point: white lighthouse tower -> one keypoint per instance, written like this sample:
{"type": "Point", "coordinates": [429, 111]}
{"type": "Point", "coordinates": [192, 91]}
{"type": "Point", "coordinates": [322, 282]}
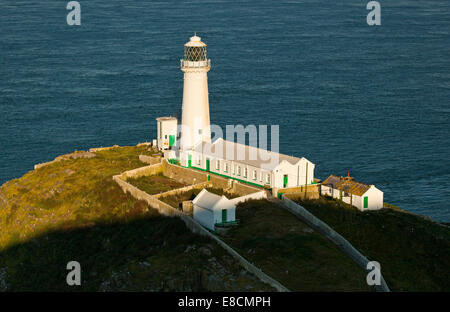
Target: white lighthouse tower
{"type": "Point", "coordinates": [195, 125]}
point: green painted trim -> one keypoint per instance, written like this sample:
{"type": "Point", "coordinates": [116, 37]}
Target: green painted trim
{"type": "Point", "coordinates": [193, 167]}
{"type": "Point", "coordinates": [225, 176]}
{"type": "Point", "coordinates": [240, 180]}
{"type": "Point", "coordinates": [228, 222]}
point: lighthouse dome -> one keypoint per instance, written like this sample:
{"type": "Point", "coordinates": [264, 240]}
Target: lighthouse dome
{"type": "Point", "coordinates": [195, 41]}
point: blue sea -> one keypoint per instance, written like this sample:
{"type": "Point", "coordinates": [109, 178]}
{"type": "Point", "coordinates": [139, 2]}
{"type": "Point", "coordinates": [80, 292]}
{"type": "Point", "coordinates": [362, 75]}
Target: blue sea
{"type": "Point", "coordinates": [372, 100]}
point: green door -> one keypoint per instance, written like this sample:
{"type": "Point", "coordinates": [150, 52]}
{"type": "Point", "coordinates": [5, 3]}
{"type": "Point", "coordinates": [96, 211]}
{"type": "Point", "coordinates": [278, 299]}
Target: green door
{"type": "Point", "coordinates": [207, 164]}
{"type": "Point", "coordinates": [366, 202]}
{"type": "Point", "coordinates": [224, 215]}
{"type": "Point", "coordinates": [189, 161]}
{"type": "Point", "coordinates": [285, 180]}
{"type": "Point", "coordinates": [171, 140]}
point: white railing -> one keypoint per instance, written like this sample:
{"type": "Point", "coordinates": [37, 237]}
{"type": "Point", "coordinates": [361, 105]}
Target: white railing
{"type": "Point", "coordinates": [196, 64]}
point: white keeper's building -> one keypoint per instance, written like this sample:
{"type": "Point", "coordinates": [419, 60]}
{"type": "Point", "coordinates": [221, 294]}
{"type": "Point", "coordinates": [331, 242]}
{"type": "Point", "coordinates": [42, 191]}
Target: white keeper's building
{"type": "Point", "coordinates": [250, 164]}
{"type": "Point", "coordinates": [362, 196]}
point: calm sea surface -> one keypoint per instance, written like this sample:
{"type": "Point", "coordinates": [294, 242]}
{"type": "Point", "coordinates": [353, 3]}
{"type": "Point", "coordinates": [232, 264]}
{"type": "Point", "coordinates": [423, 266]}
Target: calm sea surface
{"type": "Point", "coordinates": [372, 100]}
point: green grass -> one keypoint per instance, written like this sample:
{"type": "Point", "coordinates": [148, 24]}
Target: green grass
{"type": "Point", "coordinates": [287, 250]}
{"type": "Point", "coordinates": [66, 193]}
{"type": "Point", "coordinates": [155, 184]}
{"type": "Point", "coordinates": [73, 210]}
{"type": "Point", "coordinates": [414, 252]}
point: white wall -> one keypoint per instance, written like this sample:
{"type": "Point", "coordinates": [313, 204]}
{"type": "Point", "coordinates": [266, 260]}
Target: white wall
{"type": "Point", "coordinates": [355, 201]}
{"type": "Point", "coordinates": [166, 128]}
{"type": "Point", "coordinates": [231, 215]}
{"type": "Point", "coordinates": [375, 197]}
{"type": "Point", "coordinates": [296, 173]}
{"type": "Point", "coordinates": [204, 216]}
{"type": "Point", "coordinates": [195, 108]}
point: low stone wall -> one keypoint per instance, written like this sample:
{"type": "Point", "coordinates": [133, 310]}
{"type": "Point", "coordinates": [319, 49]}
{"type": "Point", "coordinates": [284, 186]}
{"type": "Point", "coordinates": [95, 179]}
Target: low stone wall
{"type": "Point", "coordinates": [97, 149]}
{"type": "Point", "coordinates": [184, 189]}
{"type": "Point", "coordinates": [74, 155]}
{"type": "Point", "coordinates": [149, 159]}
{"type": "Point", "coordinates": [312, 191]}
{"type": "Point", "coordinates": [195, 227]}
{"type": "Point", "coordinates": [143, 171]}
{"type": "Point", "coordinates": [244, 189]}
{"type": "Point", "coordinates": [162, 207]}
{"type": "Point", "coordinates": [332, 235]}
{"type": "Point", "coordinates": [191, 224]}
{"type": "Point", "coordinates": [218, 181]}
{"type": "Point", "coordinates": [183, 175]}
{"type": "Point", "coordinates": [256, 196]}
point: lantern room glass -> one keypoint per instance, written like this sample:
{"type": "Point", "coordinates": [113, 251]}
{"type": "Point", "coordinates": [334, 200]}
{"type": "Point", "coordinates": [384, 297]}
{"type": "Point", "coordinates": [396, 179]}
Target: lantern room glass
{"type": "Point", "coordinates": [195, 54]}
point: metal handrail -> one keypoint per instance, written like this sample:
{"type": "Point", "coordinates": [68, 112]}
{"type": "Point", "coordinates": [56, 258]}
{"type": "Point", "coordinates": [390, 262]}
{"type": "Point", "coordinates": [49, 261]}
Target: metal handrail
{"type": "Point", "coordinates": [195, 64]}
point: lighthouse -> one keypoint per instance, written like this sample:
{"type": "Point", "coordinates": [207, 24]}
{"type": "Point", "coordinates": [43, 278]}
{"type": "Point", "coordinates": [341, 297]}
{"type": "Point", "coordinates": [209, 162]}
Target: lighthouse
{"type": "Point", "coordinates": [195, 124]}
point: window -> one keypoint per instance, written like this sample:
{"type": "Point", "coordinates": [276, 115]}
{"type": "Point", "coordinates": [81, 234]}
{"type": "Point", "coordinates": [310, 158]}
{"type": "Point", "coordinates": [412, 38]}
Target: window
{"type": "Point", "coordinates": [366, 202]}
{"type": "Point", "coordinates": [238, 170]}
{"type": "Point", "coordinates": [245, 172]}
{"type": "Point", "coordinates": [254, 174]}
{"type": "Point", "coordinates": [199, 158]}
{"type": "Point", "coordinates": [226, 167]}
{"type": "Point", "coordinates": [268, 178]}
{"type": "Point", "coordinates": [218, 165]}
{"type": "Point", "coordinates": [165, 137]}
{"type": "Point", "coordinates": [260, 176]}
{"type": "Point", "coordinates": [200, 131]}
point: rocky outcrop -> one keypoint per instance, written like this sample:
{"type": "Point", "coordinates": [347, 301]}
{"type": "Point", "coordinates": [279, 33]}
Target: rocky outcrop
{"type": "Point", "coordinates": [75, 155]}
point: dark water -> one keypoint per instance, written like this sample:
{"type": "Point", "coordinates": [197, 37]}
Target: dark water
{"type": "Point", "coordinates": [372, 100]}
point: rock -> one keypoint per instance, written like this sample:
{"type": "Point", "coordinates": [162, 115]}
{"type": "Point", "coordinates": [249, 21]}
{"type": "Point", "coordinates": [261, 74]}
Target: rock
{"type": "Point", "coordinates": [204, 250]}
{"type": "Point", "coordinates": [3, 279]}
{"type": "Point", "coordinates": [189, 248]}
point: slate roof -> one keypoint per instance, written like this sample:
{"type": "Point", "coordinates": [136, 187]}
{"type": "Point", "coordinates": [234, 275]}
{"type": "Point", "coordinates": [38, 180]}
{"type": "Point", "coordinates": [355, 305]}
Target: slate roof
{"type": "Point", "coordinates": [212, 201]}
{"type": "Point", "coordinates": [244, 154]}
{"type": "Point", "coordinates": [346, 184]}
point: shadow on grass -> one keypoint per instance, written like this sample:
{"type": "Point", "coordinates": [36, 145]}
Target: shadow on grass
{"type": "Point", "coordinates": [159, 242]}
{"type": "Point", "coordinates": [414, 252]}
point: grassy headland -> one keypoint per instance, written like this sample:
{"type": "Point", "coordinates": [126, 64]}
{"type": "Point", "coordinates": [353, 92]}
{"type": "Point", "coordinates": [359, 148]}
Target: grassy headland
{"type": "Point", "coordinates": [73, 210]}
{"type": "Point", "coordinates": [413, 251]}
{"type": "Point", "coordinates": [291, 252]}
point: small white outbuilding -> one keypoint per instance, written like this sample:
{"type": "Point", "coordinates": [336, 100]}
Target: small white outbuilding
{"type": "Point", "coordinates": [361, 195]}
{"type": "Point", "coordinates": [211, 209]}
{"type": "Point", "coordinates": [167, 132]}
